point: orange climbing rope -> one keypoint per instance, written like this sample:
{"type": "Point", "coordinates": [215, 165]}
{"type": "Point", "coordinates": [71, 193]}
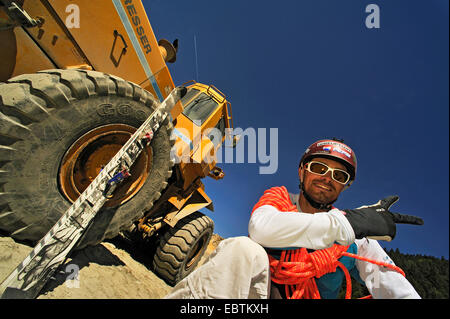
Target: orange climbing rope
{"type": "Point", "coordinates": [297, 269]}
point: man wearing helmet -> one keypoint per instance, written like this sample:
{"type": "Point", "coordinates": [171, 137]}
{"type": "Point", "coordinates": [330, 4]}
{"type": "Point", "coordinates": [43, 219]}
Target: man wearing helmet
{"type": "Point", "coordinates": [285, 228]}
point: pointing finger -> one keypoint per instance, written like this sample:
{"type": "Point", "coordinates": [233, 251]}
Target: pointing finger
{"type": "Point", "coordinates": [407, 219]}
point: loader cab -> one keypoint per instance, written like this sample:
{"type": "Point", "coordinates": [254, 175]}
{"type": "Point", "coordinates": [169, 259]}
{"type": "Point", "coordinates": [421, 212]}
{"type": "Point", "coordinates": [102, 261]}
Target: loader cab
{"type": "Point", "coordinates": [201, 127]}
{"type": "Point", "coordinates": [207, 107]}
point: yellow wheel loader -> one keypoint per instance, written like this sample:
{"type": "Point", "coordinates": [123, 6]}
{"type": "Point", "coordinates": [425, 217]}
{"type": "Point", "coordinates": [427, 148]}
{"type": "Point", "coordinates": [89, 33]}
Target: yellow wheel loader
{"type": "Point", "coordinates": [77, 78]}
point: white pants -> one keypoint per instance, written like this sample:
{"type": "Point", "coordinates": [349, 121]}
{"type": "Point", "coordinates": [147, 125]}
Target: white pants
{"type": "Point", "coordinates": [237, 269]}
{"type": "Point", "coordinates": [382, 282]}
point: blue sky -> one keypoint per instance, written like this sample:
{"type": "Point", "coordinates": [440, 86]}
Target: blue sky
{"type": "Point", "coordinates": [312, 69]}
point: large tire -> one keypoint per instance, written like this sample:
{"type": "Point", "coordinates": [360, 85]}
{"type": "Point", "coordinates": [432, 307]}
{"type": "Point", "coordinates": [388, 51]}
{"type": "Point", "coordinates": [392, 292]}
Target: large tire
{"type": "Point", "coordinates": [41, 116]}
{"type": "Point", "coordinates": [182, 247]}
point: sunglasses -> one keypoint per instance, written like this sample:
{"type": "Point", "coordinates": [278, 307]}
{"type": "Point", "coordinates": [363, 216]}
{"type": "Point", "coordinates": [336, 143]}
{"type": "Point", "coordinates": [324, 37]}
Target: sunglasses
{"type": "Point", "coordinates": [319, 168]}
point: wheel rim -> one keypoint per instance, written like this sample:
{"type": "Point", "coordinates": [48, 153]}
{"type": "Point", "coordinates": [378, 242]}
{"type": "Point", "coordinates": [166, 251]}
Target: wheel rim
{"type": "Point", "coordinates": [85, 158]}
{"type": "Point", "coordinates": [195, 252]}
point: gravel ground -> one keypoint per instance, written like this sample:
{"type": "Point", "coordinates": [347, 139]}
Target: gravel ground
{"type": "Point", "coordinates": [110, 270]}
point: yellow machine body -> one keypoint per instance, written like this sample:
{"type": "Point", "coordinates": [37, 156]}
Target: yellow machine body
{"type": "Point", "coordinates": [115, 37]}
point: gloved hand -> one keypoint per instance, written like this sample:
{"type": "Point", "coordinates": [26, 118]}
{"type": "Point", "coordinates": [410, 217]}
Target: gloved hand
{"type": "Point", "coordinates": [376, 221]}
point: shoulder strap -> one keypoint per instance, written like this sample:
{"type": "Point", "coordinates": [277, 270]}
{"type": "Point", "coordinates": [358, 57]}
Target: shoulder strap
{"type": "Point", "coordinates": [294, 200]}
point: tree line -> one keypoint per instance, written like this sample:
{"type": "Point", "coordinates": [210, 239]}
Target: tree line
{"type": "Point", "coordinates": [427, 274]}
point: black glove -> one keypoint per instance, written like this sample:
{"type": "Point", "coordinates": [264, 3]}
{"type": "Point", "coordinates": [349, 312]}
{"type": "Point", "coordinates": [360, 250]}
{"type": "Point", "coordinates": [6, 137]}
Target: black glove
{"type": "Point", "coordinates": [376, 221]}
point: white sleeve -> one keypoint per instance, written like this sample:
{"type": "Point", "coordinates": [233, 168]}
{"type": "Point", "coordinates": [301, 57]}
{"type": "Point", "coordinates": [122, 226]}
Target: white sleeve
{"type": "Point", "coordinates": [274, 229]}
{"type": "Point", "coordinates": [382, 282]}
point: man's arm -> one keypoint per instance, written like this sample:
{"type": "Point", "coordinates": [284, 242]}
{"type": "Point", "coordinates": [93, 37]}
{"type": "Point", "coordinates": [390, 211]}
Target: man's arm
{"type": "Point", "coordinates": [382, 282]}
{"type": "Point", "coordinates": [272, 228]}
{"type": "Point", "coordinates": [275, 223]}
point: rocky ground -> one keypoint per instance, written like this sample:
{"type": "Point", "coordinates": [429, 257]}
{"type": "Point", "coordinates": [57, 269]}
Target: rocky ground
{"type": "Point", "coordinates": [111, 270]}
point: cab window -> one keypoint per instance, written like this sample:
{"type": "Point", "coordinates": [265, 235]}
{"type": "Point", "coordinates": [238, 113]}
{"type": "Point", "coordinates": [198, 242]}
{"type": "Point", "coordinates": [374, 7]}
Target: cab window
{"type": "Point", "coordinates": [200, 108]}
{"type": "Point", "coordinates": [188, 96]}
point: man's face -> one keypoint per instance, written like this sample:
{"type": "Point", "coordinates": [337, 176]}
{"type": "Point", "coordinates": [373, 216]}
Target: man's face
{"type": "Point", "coordinates": [322, 188]}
